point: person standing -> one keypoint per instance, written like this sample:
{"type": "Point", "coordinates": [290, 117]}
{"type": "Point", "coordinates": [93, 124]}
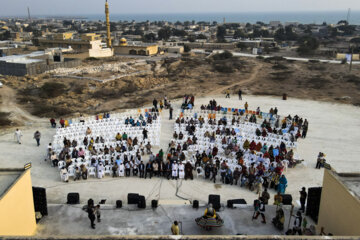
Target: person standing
{"type": "Point", "coordinates": [37, 136]}
{"type": "Point", "coordinates": [246, 106]}
{"type": "Point", "coordinates": [170, 112]}
{"type": "Point", "coordinates": [141, 169]}
{"type": "Point", "coordinates": [155, 102]}
{"type": "Point", "coordinates": [227, 93]}
{"type": "Point", "coordinates": [240, 94]}
{"type": "Point", "coordinates": [303, 196]}
{"type": "Point", "coordinates": [175, 228]}
{"type": "Point", "coordinates": [259, 206]}
{"type": "Point", "coordinates": [91, 212]}
{"type": "Point", "coordinates": [297, 224]}
{"type": "Point", "coordinates": [62, 122]}
{"type": "Point", "coordinates": [18, 136]}
{"type": "Point", "coordinates": [53, 123]}
{"type": "Point", "coordinates": [145, 133]}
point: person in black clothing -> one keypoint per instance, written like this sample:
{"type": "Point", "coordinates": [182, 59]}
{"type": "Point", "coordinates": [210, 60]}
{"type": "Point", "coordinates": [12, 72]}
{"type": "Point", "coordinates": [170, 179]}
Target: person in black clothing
{"type": "Point", "coordinates": [145, 133]}
{"type": "Point", "coordinates": [207, 171]}
{"type": "Point", "coordinates": [141, 169]}
{"type": "Point", "coordinates": [91, 212]}
{"type": "Point", "coordinates": [167, 170]}
{"type": "Point", "coordinates": [240, 94]}
{"type": "Point", "coordinates": [214, 173]}
{"type": "Point", "coordinates": [148, 169]}
{"type": "Point", "coordinates": [303, 196]}
{"type": "Point", "coordinates": [171, 112]}
{"type": "Point", "coordinates": [155, 103]}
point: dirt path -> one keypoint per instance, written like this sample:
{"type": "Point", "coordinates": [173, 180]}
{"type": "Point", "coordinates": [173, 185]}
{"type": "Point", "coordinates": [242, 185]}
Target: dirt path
{"type": "Point", "coordinates": [240, 83]}
{"type": "Point", "coordinates": [8, 104]}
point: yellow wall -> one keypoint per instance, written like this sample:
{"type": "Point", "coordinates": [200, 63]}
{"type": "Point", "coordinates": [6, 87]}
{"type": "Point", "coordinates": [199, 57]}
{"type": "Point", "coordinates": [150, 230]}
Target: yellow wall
{"type": "Point", "coordinates": [63, 36]}
{"type": "Point", "coordinates": [340, 56]}
{"type": "Point", "coordinates": [339, 210]}
{"type": "Point", "coordinates": [150, 50]}
{"type": "Point", "coordinates": [17, 208]}
{"type": "Point", "coordinates": [90, 37]}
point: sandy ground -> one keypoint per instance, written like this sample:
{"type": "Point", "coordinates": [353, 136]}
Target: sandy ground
{"type": "Point", "coordinates": [66, 220]}
{"type": "Point", "coordinates": [333, 129]}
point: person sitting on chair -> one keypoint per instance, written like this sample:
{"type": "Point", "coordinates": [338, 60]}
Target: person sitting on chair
{"type": "Point", "coordinates": [210, 212]}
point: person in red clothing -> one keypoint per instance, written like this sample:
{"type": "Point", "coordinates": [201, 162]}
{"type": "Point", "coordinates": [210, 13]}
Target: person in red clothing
{"type": "Point", "coordinates": [53, 122]}
{"type": "Point", "coordinates": [62, 122]}
{"type": "Point", "coordinates": [252, 145]}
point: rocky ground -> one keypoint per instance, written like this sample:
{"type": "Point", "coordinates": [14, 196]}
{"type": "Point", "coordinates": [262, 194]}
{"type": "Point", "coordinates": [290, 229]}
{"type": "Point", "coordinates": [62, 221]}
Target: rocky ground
{"type": "Point", "coordinates": [49, 96]}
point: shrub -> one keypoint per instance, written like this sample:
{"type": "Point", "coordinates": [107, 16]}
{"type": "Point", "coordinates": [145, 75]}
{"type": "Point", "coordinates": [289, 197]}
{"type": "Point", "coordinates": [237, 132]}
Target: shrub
{"type": "Point", "coordinates": [4, 119]}
{"type": "Point", "coordinates": [222, 56]}
{"type": "Point", "coordinates": [52, 89]}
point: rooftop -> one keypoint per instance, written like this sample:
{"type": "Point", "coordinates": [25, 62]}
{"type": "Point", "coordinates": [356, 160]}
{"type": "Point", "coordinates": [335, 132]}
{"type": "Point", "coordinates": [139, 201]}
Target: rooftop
{"type": "Point", "coordinates": [352, 182]}
{"type": "Point", "coordinates": [24, 58]}
{"type": "Point", "coordinates": [71, 220]}
{"type": "Point", "coordinates": [7, 178]}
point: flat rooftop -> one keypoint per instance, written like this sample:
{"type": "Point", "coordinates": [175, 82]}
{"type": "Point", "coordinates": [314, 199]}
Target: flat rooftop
{"type": "Point", "coordinates": [24, 58]}
{"type": "Point", "coordinates": [352, 182]}
{"type": "Point", "coordinates": [71, 220]}
{"type": "Point", "coordinates": [7, 178]}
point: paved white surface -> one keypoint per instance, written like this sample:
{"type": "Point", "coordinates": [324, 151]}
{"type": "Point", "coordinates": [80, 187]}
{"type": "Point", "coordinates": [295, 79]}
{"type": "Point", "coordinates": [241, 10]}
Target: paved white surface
{"type": "Point", "coordinates": [333, 129]}
{"type": "Point", "coordinates": [66, 220]}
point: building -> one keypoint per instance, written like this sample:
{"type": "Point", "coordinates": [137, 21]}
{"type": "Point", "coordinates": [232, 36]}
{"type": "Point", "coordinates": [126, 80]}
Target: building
{"type": "Point", "coordinates": [136, 48]}
{"type": "Point", "coordinates": [36, 62]}
{"type": "Point", "coordinates": [89, 43]}
{"type": "Point", "coordinates": [16, 203]}
{"type": "Point", "coordinates": [339, 211]}
{"type": "Point", "coordinates": [66, 40]}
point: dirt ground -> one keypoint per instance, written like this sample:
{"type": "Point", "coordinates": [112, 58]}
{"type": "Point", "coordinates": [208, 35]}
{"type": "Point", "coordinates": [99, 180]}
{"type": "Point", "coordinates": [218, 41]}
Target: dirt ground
{"type": "Point", "coordinates": [198, 75]}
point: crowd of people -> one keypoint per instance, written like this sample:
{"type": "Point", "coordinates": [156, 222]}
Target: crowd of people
{"type": "Point", "coordinates": [222, 149]}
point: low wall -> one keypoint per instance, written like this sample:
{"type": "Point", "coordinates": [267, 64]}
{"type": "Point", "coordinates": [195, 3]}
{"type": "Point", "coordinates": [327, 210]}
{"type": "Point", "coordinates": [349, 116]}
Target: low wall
{"type": "Point", "coordinates": [20, 69]}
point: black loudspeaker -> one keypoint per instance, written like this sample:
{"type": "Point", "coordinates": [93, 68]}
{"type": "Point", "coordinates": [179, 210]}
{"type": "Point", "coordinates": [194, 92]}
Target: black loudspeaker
{"type": "Point", "coordinates": [40, 202]}
{"type": "Point", "coordinates": [133, 198]}
{"type": "Point", "coordinates": [73, 198]}
{"type": "Point", "coordinates": [142, 202]}
{"type": "Point", "coordinates": [195, 204]}
{"type": "Point", "coordinates": [215, 201]}
{"type": "Point", "coordinates": [286, 199]}
{"type": "Point", "coordinates": [154, 203]}
{"type": "Point", "coordinates": [118, 204]}
{"type": "Point", "coordinates": [313, 203]}
{"type": "Point", "coordinates": [231, 202]}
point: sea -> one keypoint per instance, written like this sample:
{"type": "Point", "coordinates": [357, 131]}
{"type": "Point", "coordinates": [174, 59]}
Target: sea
{"type": "Point", "coordinates": [241, 17]}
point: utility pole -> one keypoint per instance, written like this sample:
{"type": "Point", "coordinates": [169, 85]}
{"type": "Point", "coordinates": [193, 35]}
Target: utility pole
{"type": "Point", "coordinates": [29, 16]}
{"type": "Point", "coordinates": [348, 15]}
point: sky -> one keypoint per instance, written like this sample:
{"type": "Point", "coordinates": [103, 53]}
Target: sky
{"type": "Point", "coordinates": [69, 7]}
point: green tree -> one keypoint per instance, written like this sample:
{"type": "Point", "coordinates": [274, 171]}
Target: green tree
{"type": "Point", "coordinates": [150, 37]}
{"type": "Point", "coordinates": [220, 34]}
{"type": "Point", "coordinates": [164, 33]}
{"type": "Point", "coordinates": [239, 34]}
{"type": "Point", "coordinates": [307, 45]}
{"type": "Point", "coordinates": [187, 48]}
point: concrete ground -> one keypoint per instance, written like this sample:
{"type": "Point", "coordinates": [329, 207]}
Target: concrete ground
{"type": "Point", "coordinates": [333, 129]}
{"type": "Point", "coordinates": [71, 220]}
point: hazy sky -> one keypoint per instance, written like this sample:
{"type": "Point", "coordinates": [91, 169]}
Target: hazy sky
{"type": "Point", "coordinates": [68, 7]}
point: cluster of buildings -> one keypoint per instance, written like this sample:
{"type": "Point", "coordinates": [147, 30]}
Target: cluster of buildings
{"type": "Point", "coordinates": [97, 39]}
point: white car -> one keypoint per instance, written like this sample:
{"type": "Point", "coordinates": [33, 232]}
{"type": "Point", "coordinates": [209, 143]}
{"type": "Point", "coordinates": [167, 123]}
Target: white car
{"type": "Point", "coordinates": [1, 84]}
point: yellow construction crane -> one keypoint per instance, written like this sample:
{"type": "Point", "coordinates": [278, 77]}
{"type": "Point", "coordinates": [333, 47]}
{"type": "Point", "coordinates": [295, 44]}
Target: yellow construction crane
{"type": "Point", "coordinates": [108, 34]}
